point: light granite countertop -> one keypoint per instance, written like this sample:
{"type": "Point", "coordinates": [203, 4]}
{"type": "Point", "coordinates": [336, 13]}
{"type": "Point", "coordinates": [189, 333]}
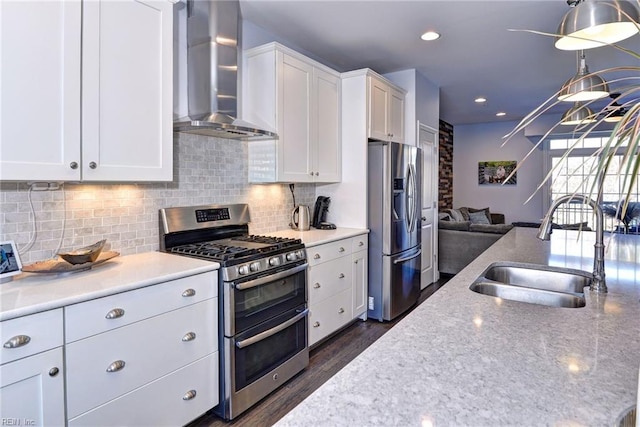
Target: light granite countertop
{"type": "Point", "coordinates": [466, 359]}
{"type": "Point", "coordinates": [30, 293]}
{"type": "Point", "coordinates": [313, 237]}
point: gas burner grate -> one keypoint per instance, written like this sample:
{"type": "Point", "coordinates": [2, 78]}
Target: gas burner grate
{"type": "Point", "coordinates": [214, 251]}
{"type": "Point", "coordinates": [281, 242]}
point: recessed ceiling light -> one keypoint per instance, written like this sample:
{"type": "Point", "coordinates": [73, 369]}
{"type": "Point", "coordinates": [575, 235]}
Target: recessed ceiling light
{"type": "Point", "coordinates": [430, 35]}
{"type": "Point", "coordinates": [480, 100]}
{"type": "Point", "coordinates": [501, 113]}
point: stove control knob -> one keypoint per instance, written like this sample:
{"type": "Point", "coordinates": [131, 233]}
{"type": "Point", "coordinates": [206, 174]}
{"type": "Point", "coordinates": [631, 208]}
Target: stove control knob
{"type": "Point", "coordinates": [291, 256]}
{"type": "Point", "coordinates": [243, 269]}
{"type": "Point", "coordinates": [254, 266]}
{"type": "Point", "coordinates": [274, 262]}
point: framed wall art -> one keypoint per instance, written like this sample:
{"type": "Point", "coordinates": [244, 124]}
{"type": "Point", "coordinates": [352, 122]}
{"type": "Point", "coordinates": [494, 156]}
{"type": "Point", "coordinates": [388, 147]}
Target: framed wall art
{"type": "Point", "coordinates": [496, 172]}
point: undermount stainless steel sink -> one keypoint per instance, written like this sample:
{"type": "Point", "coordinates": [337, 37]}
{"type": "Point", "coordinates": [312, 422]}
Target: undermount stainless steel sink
{"type": "Point", "coordinates": [534, 284]}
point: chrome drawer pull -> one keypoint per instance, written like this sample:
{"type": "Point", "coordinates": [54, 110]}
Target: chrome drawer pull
{"type": "Point", "coordinates": [116, 366]}
{"type": "Point", "coordinates": [189, 337]}
{"type": "Point", "coordinates": [341, 249]}
{"type": "Point", "coordinates": [189, 395]}
{"type": "Point", "coordinates": [115, 313]}
{"type": "Point", "coordinates": [316, 324]}
{"type": "Point", "coordinates": [316, 256]}
{"type": "Point", "coordinates": [360, 243]}
{"type": "Point", "coordinates": [17, 341]}
{"type": "Point", "coordinates": [341, 310]}
{"type": "Point", "coordinates": [53, 371]}
{"type": "Point", "coordinates": [189, 293]}
{"type": "Point", "coordinates": [316, 286]}
{"type": "Point", "coordinates": [341, 276]}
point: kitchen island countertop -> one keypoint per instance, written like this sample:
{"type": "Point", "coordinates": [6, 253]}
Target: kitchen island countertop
{"type": "Point", "coordinates": [314, 237]}
{"type": "Point", "coordinates": [31, 293]}
{"type": "Point", "coordinates": [466, 359]}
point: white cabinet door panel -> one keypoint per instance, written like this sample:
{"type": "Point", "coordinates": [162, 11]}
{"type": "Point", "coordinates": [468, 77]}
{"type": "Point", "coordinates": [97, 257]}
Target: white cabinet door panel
{"type": "Point", "coordinates": [127, 90]}
{"type": "Point", "coordinates": [327, 164]}
{"type": "Point", "coordinates": [39, 90]}
{"type": "Point", "coordinates": [31, 394]}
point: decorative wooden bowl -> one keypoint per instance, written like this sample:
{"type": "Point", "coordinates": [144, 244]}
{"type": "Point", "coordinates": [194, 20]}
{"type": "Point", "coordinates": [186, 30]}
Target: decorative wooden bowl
{"type": "Point", "coordinates": [87, 254]}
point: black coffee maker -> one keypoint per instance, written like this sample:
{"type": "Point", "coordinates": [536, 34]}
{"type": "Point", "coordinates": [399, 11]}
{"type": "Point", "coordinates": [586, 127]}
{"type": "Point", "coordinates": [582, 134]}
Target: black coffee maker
{"type": "Point", "coordinates": [320, 214]}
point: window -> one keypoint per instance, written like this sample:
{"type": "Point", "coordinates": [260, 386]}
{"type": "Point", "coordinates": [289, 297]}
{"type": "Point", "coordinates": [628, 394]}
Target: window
{"type": "Point", "coordinates": [575, 174]}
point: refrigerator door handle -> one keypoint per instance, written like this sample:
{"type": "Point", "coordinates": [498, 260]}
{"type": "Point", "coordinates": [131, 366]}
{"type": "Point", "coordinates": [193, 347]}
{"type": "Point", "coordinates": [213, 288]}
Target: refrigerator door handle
{"type": "Point", "coordinates": [416, 255]}
{"type": "Point", "coordinates": [410, 204]}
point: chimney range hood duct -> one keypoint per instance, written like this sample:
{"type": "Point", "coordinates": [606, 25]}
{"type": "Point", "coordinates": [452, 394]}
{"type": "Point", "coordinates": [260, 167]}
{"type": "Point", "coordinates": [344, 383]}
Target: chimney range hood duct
{"type": "Point", "coordinates": [214, 35]}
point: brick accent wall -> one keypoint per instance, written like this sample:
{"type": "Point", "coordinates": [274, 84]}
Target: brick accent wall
{"type": "Point", "coordinates": [445, 173]}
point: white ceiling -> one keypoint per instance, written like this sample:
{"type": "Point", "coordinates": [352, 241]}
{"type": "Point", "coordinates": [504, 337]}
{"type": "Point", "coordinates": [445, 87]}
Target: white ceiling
{"type": "Point", "coordinates": [477, 55]}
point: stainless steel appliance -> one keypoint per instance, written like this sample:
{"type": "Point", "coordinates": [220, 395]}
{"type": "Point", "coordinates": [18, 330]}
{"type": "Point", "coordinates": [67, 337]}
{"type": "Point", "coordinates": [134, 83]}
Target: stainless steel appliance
{"type": "Point", "coordinates": [300, 218]}
{"type": "Point", "coordinates": [262, 298]}
{"type": "Point", "coordinates": [394, 177]}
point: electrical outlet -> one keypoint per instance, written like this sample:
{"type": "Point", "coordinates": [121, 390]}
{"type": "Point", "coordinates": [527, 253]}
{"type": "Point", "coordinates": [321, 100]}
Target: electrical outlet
{"type": "Point", "coordinates": [370, 303]}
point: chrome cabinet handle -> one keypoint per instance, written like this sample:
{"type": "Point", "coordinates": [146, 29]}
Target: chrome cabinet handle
{"type": "Point", "coordinates": [115, 313]}
{"type": "Point", "coordinates": [189, 395]}
{"type": "Point", "coordinates": [316, 286]}
{"type": "Point", "coordinates": [73, 165]}
{"type": "Point", "coordinates": [17, 341]}
{"type": "Point", "coordinates": [316, 324]}
{"type": "Point", "coordinates": [93, 165]}
{"type": "Point", "coordinates": [341, 276]}
{"type": "Point", "coordinates": [190, 336]}
{"type": "Point", "coordinates": [53, 371]}
{"type": "Point", "coordinates": [116, 366]}
{"type": "Point", "coordinates": [317, 173]}
{"type": "Point", "coordinates": [316, 256]}
{"type": "Point", "coordinates": [341, 249]}
{"type": "Point", "coordinates": [341, 310]}
{"type": "Point", "coordinates": [361, 243]}
{"type": "Point", "coordinates": [189, 293]}
{"type": "Point", "coordinates": [311, 173]}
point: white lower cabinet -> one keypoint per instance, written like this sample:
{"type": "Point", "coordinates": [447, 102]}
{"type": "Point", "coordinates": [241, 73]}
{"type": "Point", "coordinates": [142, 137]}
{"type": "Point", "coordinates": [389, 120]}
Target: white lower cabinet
{"type": "Point", "coordinates": [171, 400]}
{"type": "Point", "coordinates": [336, 294]}
{"type": "Point", "coordinates": [148, 356]}
{"type": "Point", "coordinates": [32, 390]}
{"type": "Point", "coordinates": [32, 370]}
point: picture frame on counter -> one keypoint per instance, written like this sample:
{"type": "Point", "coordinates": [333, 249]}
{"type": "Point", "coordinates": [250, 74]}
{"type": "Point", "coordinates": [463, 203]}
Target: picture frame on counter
{"type": "Point", "coordinates": [10, 263]}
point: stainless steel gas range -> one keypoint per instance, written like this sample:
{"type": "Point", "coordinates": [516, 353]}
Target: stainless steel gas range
{"type": "Point", "coordinates": [262, 298]}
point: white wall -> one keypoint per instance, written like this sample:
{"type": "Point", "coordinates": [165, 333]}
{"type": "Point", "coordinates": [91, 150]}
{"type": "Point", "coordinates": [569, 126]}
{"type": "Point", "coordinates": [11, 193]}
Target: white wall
{"type": "Point", "coordinates": [482, 142]}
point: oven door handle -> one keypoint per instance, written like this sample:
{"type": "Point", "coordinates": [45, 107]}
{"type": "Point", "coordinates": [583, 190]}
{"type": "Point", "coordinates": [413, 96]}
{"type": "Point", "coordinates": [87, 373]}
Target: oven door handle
{"type": "Point", "coordinates": [266, 334]}
{"type": "Point", "coordinates": [270, 278]}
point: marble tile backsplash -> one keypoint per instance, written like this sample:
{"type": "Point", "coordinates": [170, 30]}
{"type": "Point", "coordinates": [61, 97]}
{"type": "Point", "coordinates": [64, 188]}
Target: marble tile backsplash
{"type": "Point", "coordinates": [206, 171]}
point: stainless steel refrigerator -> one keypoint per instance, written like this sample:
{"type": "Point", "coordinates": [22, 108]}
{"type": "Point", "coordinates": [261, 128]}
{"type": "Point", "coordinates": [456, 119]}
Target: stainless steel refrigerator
{"type": "Point", "coordinates": [394, 191]}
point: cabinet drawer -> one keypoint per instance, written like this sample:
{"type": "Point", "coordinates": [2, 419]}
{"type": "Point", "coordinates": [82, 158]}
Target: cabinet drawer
{"type": "Point", "coordinates": [359, 243]}
{"type": "Point", "coordinates": [329, 315]}
{"type": "Point", "coordinates": [329, 278]}
{"type": "Point", "coordinates": [31, 334]}
{"type": "Point", "coordinates": [93, 317]}
{"type": "Point", "coordinates": [328, 251]}
{"type": "Point", "coordinates": [149, 349]}
{"type": "Point", "coordinates": [162, 402]}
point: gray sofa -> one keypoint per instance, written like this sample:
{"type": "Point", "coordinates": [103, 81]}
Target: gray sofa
{"type": "Point", "coordinates": [460, 240]}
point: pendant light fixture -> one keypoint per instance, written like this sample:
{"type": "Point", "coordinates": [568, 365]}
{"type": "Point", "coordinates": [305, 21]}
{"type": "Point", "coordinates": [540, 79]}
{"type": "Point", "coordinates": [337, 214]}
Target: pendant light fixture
{"type": "Point", "coordinates": [579, 114]}
{"type": "Point", "coordinates": [595, 23]}
{"type": "Point", "coordinates": [583, 86]}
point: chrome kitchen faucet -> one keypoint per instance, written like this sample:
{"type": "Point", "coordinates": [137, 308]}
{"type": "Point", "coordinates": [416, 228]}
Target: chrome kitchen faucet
{"type": "Point", "coordinates": [598, 280]}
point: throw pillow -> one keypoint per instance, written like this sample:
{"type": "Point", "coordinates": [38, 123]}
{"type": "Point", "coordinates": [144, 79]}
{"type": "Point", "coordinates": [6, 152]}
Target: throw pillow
{"type": "Point", "coordinates": [478, 218]}
{"type": "Point", "coordinates": [444, 216]}
{"type": "Point", "coordinates": [455, 214]}
{"type": "Point", "coordinates": [466, 210]}
{"type": "Point", "coordinates": [454, 225]}
{"type": "Point", "coordinates": [491, 228]}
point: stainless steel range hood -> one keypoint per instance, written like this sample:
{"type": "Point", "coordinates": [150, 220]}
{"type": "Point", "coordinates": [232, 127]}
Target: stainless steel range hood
{"type": "Point", "coordinates": [214, 34]}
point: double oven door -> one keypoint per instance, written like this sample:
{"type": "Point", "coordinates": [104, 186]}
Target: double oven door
{"type": "Point", "coordinates": [265, 336]}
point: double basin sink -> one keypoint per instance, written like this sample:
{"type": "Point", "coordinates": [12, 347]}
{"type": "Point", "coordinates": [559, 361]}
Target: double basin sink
{"type": "Point", "coordinates": [534, 284]}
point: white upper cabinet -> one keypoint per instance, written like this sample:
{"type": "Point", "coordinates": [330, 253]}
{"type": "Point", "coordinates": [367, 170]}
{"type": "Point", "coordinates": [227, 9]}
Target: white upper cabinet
{"type": "Point", "coordinates": [386, 111]}
{"type": "Point", "coordinates": [299, 99]}
{"type": "Point", "coordinates": [86, 90]}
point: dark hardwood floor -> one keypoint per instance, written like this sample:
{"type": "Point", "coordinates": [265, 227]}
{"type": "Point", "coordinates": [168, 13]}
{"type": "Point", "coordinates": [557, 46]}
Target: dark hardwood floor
{"type": "Point", "coordinates": [325, 360]}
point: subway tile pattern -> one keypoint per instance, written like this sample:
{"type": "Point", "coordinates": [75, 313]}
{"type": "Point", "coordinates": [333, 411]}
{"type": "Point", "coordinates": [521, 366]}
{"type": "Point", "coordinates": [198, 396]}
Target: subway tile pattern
{"type": "Point", "coordinates": [206, 171]}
